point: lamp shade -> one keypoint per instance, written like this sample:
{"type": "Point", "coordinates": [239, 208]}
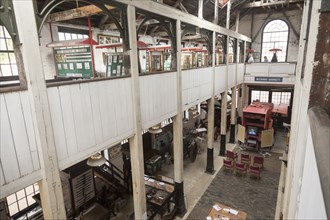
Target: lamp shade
{"type": "Point", "coordinates": [96, 160]}
{"type": "Point", "coordinates": [156, 129]}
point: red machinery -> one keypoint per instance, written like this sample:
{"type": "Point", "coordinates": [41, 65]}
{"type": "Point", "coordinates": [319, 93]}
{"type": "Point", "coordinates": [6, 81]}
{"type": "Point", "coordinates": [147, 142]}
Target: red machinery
{"type": "Point", "coordinates": [258, 123]}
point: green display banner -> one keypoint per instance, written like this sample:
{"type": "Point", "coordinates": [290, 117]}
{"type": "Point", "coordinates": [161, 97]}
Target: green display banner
{"type": "Point", "coordinates": [74, 62]}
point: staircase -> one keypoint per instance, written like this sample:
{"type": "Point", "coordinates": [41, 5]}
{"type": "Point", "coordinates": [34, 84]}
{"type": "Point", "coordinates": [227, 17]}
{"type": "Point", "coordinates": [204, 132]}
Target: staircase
{"type": "Point", "coordinates": [114, 176]}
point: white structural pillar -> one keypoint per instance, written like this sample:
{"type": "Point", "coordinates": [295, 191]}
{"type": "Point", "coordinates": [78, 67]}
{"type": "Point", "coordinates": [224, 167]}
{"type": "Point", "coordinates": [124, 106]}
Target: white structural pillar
{"type": "Point", "coordinates": [50, 185]}
{"type": "Point", "coordinates": [216, 12]}
{"type": "Point", "coordinates": [210, 117]}
{"type": "Point", "coordinates": [136, 146]}
{"type": "Point", "coordinates": [223, 124]}
{"type": "Point", "coordinates": [177, 132]}
{"type": "Point", "coordinates": [233, 115]}
{"type": "Point", "coordinates": [200, 8]}
{"type": "Point", "coordinates": [224, 95]}
{"type": "Point", "coordinates": [233, 99]}
{"type": "Point", "coordinates": [240, 103]}
{"type": "Point", "coordinates": [300, 122]}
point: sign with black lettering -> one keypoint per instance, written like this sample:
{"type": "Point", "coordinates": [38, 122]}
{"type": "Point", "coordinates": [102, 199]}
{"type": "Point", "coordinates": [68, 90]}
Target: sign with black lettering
{"type": "Point", "coordinates": [268, 79]}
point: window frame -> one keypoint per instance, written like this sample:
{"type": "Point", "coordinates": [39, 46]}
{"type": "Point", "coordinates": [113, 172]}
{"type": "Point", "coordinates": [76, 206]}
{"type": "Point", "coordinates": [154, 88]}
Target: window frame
{"type": "Point", "coordinates": [262, 40]}
{"type": "Point", "coordinates": [20, 77]}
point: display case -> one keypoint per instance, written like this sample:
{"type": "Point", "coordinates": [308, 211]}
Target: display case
{"type": "Point", "coordinates": [115, 64]}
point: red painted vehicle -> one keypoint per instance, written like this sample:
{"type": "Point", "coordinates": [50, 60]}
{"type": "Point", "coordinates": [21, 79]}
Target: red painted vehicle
{"type": "Point", "coordinates": [258, 123]}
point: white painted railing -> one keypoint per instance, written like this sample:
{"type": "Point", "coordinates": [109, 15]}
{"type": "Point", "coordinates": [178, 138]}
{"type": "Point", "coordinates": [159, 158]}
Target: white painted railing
{"type": "Point", "coordinates": [18, 147]}
{"type": "Point", "coordinates": [196, 86]}
{"type": "Point", "coordinates": [88, 117]}
{"type": "Point", "coordinates": [158, 98]}
{"type": "Point", "coordinates": [274, 73]}
{"type": "Point", "coordinates": [220, 79]}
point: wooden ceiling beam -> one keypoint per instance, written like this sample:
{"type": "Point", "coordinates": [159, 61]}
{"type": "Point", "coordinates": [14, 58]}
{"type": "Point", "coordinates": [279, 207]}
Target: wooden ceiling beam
{"type": "Point", "coordinates": [80, 12]}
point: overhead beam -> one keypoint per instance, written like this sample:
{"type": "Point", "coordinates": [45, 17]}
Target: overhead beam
{"type": "Point", "coordinates": [80, 12]}
{"type": "Point", "coordinates": [291, 26]}
{"type": "Point", "coordinates": [170, 12]}
{"type": "Point", "coordinates": [200, 8]}
{"type": "Point", "coordinates": [177, 3]}
{"type": "Point", "coordinates": [262, 26]}
{"type": "Point", "coordinates": [257, 4]}
{"type": "Point", "coordinates": [183, 8]}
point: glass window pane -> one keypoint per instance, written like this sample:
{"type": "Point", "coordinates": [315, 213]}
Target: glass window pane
{"type": "Point", "coordinates": [36, 187]}
{"type": "Point", "coordinates": [22, 204]}
{"type": "Point", "coordinates": [9, 44]}
{"type": "Point", "coordinates": [4, 58]}
{"type": "Point", "coordinates": [20, 194]}
{"type": "Point", "coordinates": [29, 190]}
{"type": "Point", "coordinates": [2, 34]}
{"type": "Point", "coordinates": [13, 209]}
{"type": "Point", "coordinates": [3, 45]}
{"type": "Point", "coordinates": [14, 70]}
{"type": "Point", "coordinates": [12, 58]}
{"type": "Point", "coordinates": [11, 199]}
{"type": "Point", "coordinates": [7, 35]}
{"type": "Point", "coordinates": [61, 36]}
{"type": "Point", "coordinates": [30, 200]}
{"type": "Point", "coordinates": [67, 36]}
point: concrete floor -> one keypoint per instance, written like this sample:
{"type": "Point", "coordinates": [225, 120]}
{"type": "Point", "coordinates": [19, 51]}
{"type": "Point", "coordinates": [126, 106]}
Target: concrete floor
{"type": "Point", "coordinates": [202, 189]}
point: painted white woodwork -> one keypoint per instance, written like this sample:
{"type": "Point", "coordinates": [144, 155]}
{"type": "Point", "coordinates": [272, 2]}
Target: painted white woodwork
{"type": "Point", "coordinates": [273, 69]}
{"type": "Point", "coordinates": [135, 142]}
{"type": "Point", "coordinates": [257, 69]}
{"type": "Point", "coordinates": [196, 86]}
{"type": "Point", "coordinates": [220, 79]}
{"type": "Point", "coordinates": [231, 75]}
{"type": "Point", "coordinates": [89, 117]}
{"type": "Point", "coordinates": [158, 98]}
{"type": "Point", "coordinates": [170, 12]}
{"type": "Point", "coordinates": [19, 155]}
{"type": "Point", "coordinates": [20, 183]}
{"type": "Point", "coordinates": [240, 73]}
{"type": "Point", "coordinates": [282, 68]}
{"type": "Point", "coordinates": [311, 203]}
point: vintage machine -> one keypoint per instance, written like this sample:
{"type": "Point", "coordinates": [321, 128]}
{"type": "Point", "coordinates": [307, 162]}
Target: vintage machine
{"type": "Point", "coordinates": [256, 130]}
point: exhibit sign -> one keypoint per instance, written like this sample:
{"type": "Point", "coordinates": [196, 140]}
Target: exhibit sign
{"type": "Point", "coordinates": [74, 62]}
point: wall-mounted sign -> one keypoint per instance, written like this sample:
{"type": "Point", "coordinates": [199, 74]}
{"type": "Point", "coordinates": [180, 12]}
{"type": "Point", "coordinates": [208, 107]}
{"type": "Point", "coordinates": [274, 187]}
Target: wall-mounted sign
{"type": "Point", "coordinates": [268, 79]}
{"type": "Point", "coordinates": [74, 62]}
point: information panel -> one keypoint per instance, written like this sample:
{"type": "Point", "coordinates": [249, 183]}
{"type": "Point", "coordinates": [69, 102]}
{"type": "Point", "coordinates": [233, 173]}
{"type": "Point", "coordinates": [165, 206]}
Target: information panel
{"type": "Point", "coordinates": [74, 62]}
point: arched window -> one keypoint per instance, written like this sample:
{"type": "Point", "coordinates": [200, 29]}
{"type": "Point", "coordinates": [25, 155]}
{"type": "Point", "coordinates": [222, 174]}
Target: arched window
{"type": "Point", "coordinates": [275, 36]}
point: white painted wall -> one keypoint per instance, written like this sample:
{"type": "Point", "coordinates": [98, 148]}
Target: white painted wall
{"type": "Point", "coordinates": [90, 117]}
{"type": "Point", "coordinates": [196, 86]}
{"type": "Point", "coordinates": [46, 53]}
{"type": "Point", "coordinates": [311, 202]}
{"type": "Point", "coordinates": [158, 98]}
{"type": "Point", "coordinates": [220, 84]}
{"type": "Point", "coordinates": [240, 73]}
{"type": "Point", "coordinates": [295, 18]}
{"type": "Point", "coordinates": [231, 75]}
{"type": "Point", "coordinates": [18, 148]}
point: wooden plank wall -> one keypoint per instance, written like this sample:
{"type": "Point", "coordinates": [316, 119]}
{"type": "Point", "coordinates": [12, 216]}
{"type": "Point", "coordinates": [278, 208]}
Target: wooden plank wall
{"type": "Point", "coordinates": [282, 68]}
{"type": "Point", "coordinates": [158, 98]}
{"type": "Point", "coordinates": [196, 86]}
{"type": "Point", "coordinates": [240, 73]}
{"type": "Point", "coordinates": [89, 117]}
{"type": "Point", "coordinates": [231, 75]}
{"type": "Point", "coordinates": [19, 155]}
{"type": "Point", "coordinates": [220, 79]}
